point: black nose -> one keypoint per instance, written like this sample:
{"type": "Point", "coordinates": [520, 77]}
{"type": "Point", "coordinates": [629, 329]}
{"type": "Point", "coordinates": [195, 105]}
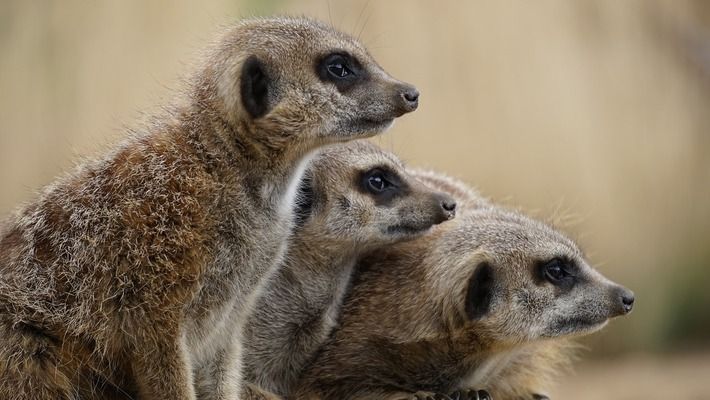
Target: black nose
{"type": "Point", "coordinates": [410, 98]}
{"type": "Point", "coordinates": [411, 95]}
{"type": "Point", "coordinates": [447, 208]}
{"type": "Point", "coordinates": [449, 205]}
{"type": "Point", "coordinates": [627, 300]}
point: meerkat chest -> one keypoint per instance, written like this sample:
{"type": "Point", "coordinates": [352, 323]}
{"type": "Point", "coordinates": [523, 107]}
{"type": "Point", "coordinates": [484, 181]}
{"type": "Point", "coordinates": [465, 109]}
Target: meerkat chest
{"type": "Point", "coordinates": [340, 288]}
{"type": "Point", "coordinates": [242, 255]}
{"type": "Point", "coordinates": [251, 242]}
{"type": "Point", "coordinates": [487, 370]}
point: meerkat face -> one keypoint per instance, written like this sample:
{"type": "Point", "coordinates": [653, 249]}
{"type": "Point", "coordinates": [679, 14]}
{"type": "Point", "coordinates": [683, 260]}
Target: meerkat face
{"type": "Point", "coordinates": [304, 81]}
{"type": "Point", "coordinates": [526, 281]}
{"type": "Point", "coordinates": [356, 192]}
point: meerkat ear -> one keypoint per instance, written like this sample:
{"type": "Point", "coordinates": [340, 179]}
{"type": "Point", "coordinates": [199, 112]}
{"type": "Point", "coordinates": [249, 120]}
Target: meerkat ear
{"type": "Point", "coordinates": [480, 291]}
{"type": "Point", "coordinates": [305, 199]}
{"type": "Point", "coordinates": [254, 87]}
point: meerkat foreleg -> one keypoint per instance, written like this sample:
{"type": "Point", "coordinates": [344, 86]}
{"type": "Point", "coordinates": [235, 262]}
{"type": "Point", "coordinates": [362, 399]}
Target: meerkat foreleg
{"type": "Point", "coordinates": [463, 394]}
{"type": "Point", "coordinates": [221, 378]}
{"type": "Point", "coordinates": [23, 377]}
{"type": "Point", "coordinates": [165, 372]}
{"type": "Point", "coordinates": [251, 391]}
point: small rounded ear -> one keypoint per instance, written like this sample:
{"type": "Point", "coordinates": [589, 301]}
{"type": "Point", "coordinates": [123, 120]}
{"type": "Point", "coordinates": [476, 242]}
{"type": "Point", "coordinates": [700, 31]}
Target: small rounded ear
{"type": "Point", "coordinates": [254, 87]}
{"type": "Point", "coordinates": [480, 291]}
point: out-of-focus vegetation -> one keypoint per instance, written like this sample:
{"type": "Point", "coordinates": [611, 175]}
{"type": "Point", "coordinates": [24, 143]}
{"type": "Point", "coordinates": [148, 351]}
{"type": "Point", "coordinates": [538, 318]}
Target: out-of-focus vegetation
{"type": "Point", "coordinates": [592, 114]}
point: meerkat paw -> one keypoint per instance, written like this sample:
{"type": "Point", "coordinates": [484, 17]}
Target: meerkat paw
{"type": "Point", "coordinates": [423, 395]}
{"type": "Point", "coordinates": [470, 394]}
{"type": "Point", "coordinates": [467, 394]}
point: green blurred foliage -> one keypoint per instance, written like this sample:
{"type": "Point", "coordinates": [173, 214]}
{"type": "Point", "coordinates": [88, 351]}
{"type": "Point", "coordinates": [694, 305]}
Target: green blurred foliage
{"type": "Point", "coordinates": [687, 322]}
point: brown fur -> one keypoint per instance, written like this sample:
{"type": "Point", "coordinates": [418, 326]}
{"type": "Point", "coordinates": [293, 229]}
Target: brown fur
{"type": "Point", "coordinates": [124, 276]}
{"type": "Point", "coordinates": [406, 327]}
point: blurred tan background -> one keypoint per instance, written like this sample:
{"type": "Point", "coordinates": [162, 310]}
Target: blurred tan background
{"type": "Point", "coordinates": [595, 114]}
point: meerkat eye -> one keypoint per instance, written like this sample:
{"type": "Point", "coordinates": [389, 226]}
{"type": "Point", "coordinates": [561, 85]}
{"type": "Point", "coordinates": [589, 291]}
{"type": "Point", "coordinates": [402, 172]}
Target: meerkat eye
{"type": "Point", "coordinates": [555, 271]}
{"type": "Point", "coordinates": [376, 182]}
{"type": "Point", "coordinates": [338, 67]}
{"type": "Point", "coordinates": [339, 70]}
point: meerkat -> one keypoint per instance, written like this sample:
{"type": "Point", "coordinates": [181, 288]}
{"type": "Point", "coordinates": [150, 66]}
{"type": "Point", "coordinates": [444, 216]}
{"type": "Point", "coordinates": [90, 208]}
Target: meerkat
{"type": "Point", "coordinates": [354, 198]}
{"type": "Point", "coordinates": [465, 307]}
{"type": "Point", "coordinates": [140, 267]}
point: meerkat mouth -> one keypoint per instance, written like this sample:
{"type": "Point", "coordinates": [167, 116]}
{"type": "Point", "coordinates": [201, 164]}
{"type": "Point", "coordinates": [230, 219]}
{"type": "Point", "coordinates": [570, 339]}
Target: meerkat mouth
{"type": "Point", "coordinates": [378, 125]}
{"type": "Point", "coordinates": [577, 327]}
{"type": "Point", "coordinates": [407, 230]}
{"type": "Point", "coordinates": [367, 127]}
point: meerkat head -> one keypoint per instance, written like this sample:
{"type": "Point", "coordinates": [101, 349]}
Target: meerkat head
{"type": "Point", "coordinates": [521, 280]}
{"type": "Point", "coordinates": [358, 193]}
{"type": "Point", "coordinates": [299, 80]}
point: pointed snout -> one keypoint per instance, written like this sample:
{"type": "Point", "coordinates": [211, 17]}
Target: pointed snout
{"type": "Point", "coordinates": [446, 207]}
{"type": "Point", "coordinates": [624, 299]}
{"type": "Point", "coordinates": [406, 98]}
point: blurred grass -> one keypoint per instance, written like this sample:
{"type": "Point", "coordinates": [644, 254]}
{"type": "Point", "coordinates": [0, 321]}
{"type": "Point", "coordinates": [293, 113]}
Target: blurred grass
{"type": "Point", "coordinates": [592, 114]}
{"type": "Point", "coordinates": [688, 319]}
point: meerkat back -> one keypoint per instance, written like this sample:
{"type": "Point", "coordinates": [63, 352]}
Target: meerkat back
{"type": "Point", "coordinates": [130, 270]}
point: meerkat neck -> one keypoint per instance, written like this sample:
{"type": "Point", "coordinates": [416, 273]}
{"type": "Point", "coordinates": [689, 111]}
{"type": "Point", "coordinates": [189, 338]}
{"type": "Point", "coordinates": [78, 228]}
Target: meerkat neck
{"type": "Point", "coordinates": [321, 255]}
{"type": "Point", "coordinates": [272, 173]}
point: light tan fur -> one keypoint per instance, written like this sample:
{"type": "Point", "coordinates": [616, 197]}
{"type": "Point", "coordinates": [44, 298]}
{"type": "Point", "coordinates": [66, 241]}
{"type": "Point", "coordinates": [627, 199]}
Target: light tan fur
{"type": "Point", "coordinates": [136, 271]}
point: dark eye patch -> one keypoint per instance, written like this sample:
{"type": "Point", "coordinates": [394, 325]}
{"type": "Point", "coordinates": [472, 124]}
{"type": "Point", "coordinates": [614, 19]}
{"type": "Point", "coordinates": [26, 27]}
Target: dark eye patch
{"type": "Point", "coordinates": [382, 184]}
{"type": "Point", "coordinates": [558, 271]}
{"type": "Point", "coordinates": [341, 69]}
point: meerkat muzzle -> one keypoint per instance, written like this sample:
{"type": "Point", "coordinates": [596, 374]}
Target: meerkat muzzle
{"type": "Point", "coordinates": [627, 300]}
{"type": "Point", "coordinates": [446, 207]}
{"type": "Point", "coordinates": [622, 301]}
{"type": "Point", "coordinates": [407, 99]}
